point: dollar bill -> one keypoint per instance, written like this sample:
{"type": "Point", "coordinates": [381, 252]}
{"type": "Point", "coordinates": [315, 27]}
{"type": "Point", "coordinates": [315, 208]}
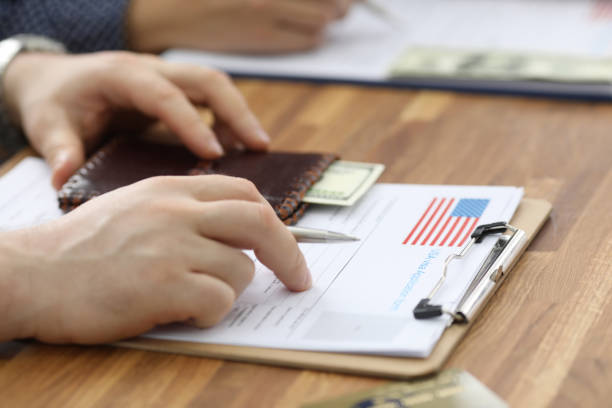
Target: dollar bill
{"type": "Point", "coordinates": [343, 183]}
{"type": "Point", "coordinates": [452, 388]}
{"type": "Point", "coordinates": [432, 62]}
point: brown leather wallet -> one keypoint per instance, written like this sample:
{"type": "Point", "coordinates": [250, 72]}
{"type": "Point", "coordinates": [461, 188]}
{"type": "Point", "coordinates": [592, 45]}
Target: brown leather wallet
{"type": "Point", "coordinates": [282, 178]}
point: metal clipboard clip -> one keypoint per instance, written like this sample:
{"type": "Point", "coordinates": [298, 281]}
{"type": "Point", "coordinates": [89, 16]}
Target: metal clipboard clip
{"type": "Point", "coordinates": [491, 273]}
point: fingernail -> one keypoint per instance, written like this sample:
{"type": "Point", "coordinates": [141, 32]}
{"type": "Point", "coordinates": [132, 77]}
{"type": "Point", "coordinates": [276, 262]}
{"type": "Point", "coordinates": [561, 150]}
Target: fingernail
{"type": "Point", "coordinates": [58, 166]}
{"type": "Point", "coordinates": [263, 136]}
{"type": "Point", "coordinates": [308, 281]}
{"type": "Point", "coordinates": [59, 159]}
{"type": "Point", "coordinates": [216, 147]}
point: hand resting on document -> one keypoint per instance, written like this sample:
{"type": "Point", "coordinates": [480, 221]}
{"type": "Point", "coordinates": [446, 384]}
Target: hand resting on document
{"type": "Point", "coordinates": [161, 250]}
{"type": "Point", "coordinates": [165, 249]}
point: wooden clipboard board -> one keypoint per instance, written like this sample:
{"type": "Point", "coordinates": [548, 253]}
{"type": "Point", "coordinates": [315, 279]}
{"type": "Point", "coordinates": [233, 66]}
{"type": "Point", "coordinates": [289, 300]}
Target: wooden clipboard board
{"type": "Point", "coordinates": [530, 217]}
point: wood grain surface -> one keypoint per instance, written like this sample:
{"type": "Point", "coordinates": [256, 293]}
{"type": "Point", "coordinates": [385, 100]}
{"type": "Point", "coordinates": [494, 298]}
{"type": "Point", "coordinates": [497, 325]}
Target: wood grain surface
{"type": "Point", "coordinates": [545, 339]}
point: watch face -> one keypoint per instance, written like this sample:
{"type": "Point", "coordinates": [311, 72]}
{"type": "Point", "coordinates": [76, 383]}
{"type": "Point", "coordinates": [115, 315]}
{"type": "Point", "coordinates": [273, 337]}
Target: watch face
{"type": "Point", "coordinates": [9, 48]}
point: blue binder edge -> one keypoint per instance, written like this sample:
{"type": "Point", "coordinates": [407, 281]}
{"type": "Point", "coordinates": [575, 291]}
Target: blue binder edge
{"type": "Point", "coordinates": [505, 88]}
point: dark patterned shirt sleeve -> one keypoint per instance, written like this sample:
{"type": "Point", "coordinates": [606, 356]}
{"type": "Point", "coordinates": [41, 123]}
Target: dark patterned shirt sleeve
{"type": "Point", "coordinates": [81, 25]}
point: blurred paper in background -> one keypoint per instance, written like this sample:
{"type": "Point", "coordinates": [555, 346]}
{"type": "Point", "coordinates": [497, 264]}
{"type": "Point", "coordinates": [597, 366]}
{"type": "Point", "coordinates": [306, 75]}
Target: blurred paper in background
{"type": "Point", "coordinates": [524, 46]}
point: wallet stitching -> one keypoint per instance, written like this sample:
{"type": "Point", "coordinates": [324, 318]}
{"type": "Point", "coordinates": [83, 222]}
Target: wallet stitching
{"type": "Point", "coordinates": [202, 168]}
{"type": "Point", "coordinates": [70, 197]}
{"type": "Point", "coordinates": [294, 197]}
{"type": "Point", "coordinates": [297, 214]}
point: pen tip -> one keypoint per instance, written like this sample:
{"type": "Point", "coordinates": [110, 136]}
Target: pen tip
{"type": "Point", "coordinates": [338, 236]}
{"type": "Point", "coordinates": [351, 238]}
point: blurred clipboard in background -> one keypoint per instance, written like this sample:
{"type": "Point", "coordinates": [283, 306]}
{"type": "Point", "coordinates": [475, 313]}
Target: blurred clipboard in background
{"type": "Point", "coordinates": [533, 47]}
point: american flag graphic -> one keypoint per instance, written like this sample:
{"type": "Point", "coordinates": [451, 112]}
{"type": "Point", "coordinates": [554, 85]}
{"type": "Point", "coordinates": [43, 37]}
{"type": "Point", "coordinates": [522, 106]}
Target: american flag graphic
{"type": "Point", "coordinates": [444, 225]}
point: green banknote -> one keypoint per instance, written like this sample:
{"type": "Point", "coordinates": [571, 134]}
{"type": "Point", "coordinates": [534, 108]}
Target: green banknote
{"type": "Point", "coordinates": [449, 389]}
{"type": "Point", "coordinates": [343, 183]}
{"type": "Point", "coordinates": [433, 62]}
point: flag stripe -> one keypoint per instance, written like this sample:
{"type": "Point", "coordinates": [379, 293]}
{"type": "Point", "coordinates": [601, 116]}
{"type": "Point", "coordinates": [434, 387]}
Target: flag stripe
{"type": "Point", "coordinates": [438, 222]}
{"type": "Point", "coordinates": [469, 232]}
{"type": "Point", "coordinates": [450, 232]}
{"type": "Point", "coordinates": [429, 221]}
{"type": "Point", "coordinates": [420, 220]}
{"type": "Point", "coordinates": [459, 232]}
{"type": "Point", "coordinates": [440, 232]}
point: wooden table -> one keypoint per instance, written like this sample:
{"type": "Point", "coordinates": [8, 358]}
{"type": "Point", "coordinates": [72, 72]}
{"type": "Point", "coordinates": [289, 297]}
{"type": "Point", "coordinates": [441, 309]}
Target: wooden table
{"type": "Point", "coordinates": [544, 340]}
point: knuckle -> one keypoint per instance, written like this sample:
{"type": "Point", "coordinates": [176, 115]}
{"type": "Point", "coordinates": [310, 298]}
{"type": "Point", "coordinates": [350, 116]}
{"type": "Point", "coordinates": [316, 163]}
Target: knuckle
{"type": "Point", "coordinates": [215, 76]}
{"type": "Point", "coordinates": [159, 182]}
{"type": "Point", "coordinates": [247, 189]}
{"type": "Point", "coordinates": [219, 178]}
{"type": "Point", "coordinates": [164, 192]}
{"type": "Point", "coordinates": [161, 272]}
{"type": "Point", "coordinates": [119, 59]}
{"type": "Point", "coordinates": [164, 208]}
{"type": "Point", "coordinates": [266, 217]}
{"type": "Point", "coordinates": [165, 94]}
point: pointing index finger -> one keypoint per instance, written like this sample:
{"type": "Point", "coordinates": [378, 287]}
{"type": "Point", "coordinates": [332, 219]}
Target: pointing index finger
{"type": "Point", "coordinates": [251, 225]}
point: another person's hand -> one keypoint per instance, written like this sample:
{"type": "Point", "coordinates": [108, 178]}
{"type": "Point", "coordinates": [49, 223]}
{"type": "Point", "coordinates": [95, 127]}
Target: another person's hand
{"type": "Point", "coordinates": [250, 26]}
{"type": "Point", "coordinates": [162, 250]}
{"type": "Point", "coordinates": [65, 103]}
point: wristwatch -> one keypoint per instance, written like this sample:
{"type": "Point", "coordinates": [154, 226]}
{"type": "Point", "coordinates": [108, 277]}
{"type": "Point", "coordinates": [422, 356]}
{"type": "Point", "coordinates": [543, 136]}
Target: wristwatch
{"type": "Point", "coordinates": [10, 137]}
{"type": "Point", "coordinates": [13, 46]}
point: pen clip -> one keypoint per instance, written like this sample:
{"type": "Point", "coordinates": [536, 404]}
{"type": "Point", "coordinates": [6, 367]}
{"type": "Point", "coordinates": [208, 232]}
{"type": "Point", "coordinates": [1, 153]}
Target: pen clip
{"type": "Point", "coordinates": [490, 275]}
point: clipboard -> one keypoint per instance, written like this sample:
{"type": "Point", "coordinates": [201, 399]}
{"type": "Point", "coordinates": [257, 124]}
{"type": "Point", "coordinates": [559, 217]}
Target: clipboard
{"type": "Point", "coordinates": [530, 216]}
{"type": "Point", "coordinates": [347, 51]}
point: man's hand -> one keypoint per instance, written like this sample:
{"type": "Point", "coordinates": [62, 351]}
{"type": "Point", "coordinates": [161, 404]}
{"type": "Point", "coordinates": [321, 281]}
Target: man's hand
{"type": "Point", "coordinates": [162, 250]}
{"type": "Point", "coordinates": [65, 103]}
{"type": "Point", "coordinates": [250, 26]}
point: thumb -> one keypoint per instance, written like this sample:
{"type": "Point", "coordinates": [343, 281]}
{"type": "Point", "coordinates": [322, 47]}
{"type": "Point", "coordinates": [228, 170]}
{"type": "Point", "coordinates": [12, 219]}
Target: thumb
{"type": "Point", "coordinates": [63, 149]}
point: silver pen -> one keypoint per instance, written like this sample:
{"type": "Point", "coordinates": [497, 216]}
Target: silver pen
{"type": "Point", "coordinates": [313, 235]}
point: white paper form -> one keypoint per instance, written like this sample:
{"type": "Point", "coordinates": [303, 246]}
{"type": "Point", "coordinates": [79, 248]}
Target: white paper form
{"type": "Point", "coordinates": [364, 292]}
{"type": "Point", "coordinates": [363, 46]}
{"type": "Point", "coordinates": [26, 196]}
{"type": "Point", "coordinates": [360, 47]}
